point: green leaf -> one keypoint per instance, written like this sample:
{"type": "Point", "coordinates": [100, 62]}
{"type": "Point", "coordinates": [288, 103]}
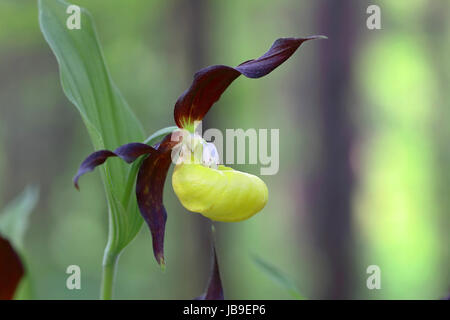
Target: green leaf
{"type": "Point", "coordinates": [14, 217]}
{"type": "Point", "coordinates": [13, 225]}
{"type": "Point", "coordinates": [108, 119]}
{"type": "Point", "coordinates": [279, 277]}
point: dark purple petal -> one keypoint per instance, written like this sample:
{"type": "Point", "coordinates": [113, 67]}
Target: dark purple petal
{"type": "Point", "coordinates": [93, 160]}
{"type": "Point", "coordinates": [214, 290]}
{"type": "Point", "coordinates": [128, 152]}
{"type": "Point", "coordinates": [149, 192]}
{"type": "Point", "coordinates": [11, 270]}
{"type": "Point", "coordinates": [211, 82]}
{"type": "Point", "coordinates": [131, 151]}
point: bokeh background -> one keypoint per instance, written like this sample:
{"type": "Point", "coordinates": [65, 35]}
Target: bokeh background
{"type": "Point", "coordinates": [364, 146]}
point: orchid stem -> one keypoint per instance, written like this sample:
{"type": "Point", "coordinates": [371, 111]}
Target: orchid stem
{"type": "Point", "coordinates": [108, 275]}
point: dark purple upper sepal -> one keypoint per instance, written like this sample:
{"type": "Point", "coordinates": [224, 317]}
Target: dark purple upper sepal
{"type": "Point", "coordinates": [149, 192]}
{"type": "Point", "coordinates": [206, 89]}
{"type": "Point", "coordinates": [211, 82]}
{"type": "Point", "coordinates": [11, 270]}
{"type": "Point", "coordinates": [128, 152]}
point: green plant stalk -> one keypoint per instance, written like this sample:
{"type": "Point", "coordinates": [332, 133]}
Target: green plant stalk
{"type": "Point", "coordinates": [111, 254]}
{"type": "Point", "coordinates": [108, 275]}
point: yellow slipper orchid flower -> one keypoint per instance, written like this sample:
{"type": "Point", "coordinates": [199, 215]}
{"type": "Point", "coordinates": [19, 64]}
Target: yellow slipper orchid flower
{"type": "Point", "coordinates": [202, 185]}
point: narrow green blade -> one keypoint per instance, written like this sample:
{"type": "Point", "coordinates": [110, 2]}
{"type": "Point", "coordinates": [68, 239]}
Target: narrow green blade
{"type": "Point", "coordinates": [278, 276]}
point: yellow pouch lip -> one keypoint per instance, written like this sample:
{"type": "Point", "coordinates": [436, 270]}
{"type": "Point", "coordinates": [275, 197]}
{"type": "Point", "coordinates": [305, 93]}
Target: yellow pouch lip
{"type": "Point", "coordinates": [221, 194]}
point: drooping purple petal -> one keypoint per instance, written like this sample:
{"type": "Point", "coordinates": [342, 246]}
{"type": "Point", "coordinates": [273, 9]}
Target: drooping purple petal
{"type": "Point", "coordinates": [209, 83]}
{"type": "Point", "coordinates": [149, 192]}
{"type": "Point", "coordinates": [11, 270]}
{"type": "Point", "coordinates": [128, 152]}
{"type": "Point", "coordinates": [131, 151]}
{"type": "Point", "coordinates": [214, 290]}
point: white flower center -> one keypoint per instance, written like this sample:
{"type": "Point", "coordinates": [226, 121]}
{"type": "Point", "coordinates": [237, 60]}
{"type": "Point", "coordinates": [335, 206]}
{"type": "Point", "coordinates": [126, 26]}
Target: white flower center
{"type": "Point", "coordinates": [210, 157]}
{"type": "Point", "coordinates": [194, 149]}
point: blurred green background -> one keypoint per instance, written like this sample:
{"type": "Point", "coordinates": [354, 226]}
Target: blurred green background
{"type": "Point", "coordinates": [364, 125]}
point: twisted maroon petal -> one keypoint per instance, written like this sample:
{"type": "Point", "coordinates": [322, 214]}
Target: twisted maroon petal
{"type": "Point", "coordinates": [211, 82]}
{"type": "Point", "coordinates": [11, 270]}
{"type": "Point", "coordinates": [131, 151]}
{"type": "Point", "coordinates": [149, 192]}
{"type": "Point", "coordinates": [128, 152]}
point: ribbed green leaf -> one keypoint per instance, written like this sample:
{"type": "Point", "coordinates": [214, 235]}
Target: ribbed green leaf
{"type": "Point", "coordinates": [108, 119]}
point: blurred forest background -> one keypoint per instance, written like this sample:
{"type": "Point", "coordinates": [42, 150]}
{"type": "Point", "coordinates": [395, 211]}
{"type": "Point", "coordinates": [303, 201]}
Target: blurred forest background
{"type": "Point", "coordinates": [364, 146]}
